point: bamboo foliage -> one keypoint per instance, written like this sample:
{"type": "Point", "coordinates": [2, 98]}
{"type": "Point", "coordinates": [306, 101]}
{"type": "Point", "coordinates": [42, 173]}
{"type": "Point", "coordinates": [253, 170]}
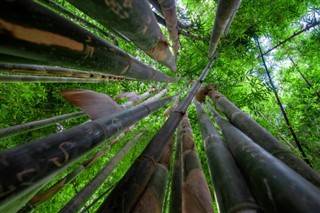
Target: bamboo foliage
{"type": "Point", "coordinates": [231, 189]}
{"type": "Point", "coordinates": [51, 70]}
{"type": "Point", "coordinates": [126, 18]}
{"type": "Point", "coordinates": [26, 35]}
{"type": "Point", "coordinates": [22, 171]}
{"type": "Point", "coordinates": [130, 187]}
{"type": "Point", "coordinates": [195, 191]}
{"type": "Point", "coordinates": [33, 125]}
{"type": "Point", "coordinates": [267, 175]}
{"type": "Point", "coordinates": [225, 11]}
{"type": "Point", "coordinates": [75, 204]}
{"type": "Point", "coordinates": [263, 138]}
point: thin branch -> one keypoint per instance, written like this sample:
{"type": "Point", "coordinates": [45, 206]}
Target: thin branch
{"type": "Point", "coordinates": [282, 109]}
{"type": "Point", "coordinates": [291, 37]}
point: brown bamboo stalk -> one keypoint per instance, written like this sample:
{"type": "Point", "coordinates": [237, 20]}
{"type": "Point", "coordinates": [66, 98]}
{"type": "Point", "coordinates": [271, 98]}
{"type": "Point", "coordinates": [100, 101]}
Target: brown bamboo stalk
{"type": "Point", "coordinates": [195, 191]}
{"type": "Point", "coordinates": [168, 8]}
{"type": "Point", "coordinates": [225, 11]}
{"type": "Point", "coordinates": [33, 125]}
{"type": "Point", "coordinates": [263, 138]}
{"type": "Point", "coordinates": [231, 190]}
{"type": "Point", "coordinates": [75, 204]}
{"type": "Point", "coordinates": [137, 177]}
{"type": "Point", "coordinates": [50, 70]}
{"type": "Point", "coordinates": [126, 18]}
{"type": "Point", "coordinates": [26, 35]}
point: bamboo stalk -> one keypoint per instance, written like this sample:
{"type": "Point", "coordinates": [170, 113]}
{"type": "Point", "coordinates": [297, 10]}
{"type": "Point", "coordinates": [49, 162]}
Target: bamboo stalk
{"type": "Point", "coordinates": [49, 79]}
{"type": "Point", "coordinates": [126, 18]}
{"type": "Point", "coordinates": [168, 8]}
{"type": "Point", "coordinates": [33, 125]}
{"type": "Point", "coordinates": [225, 11]}
{"type": "Point", "coordinates": [263, 138]}
{"type": "Point", "coordinates": [26, 167]}
{"type": "Point", "coordinates": [26, 35]}
{"type": "Point", "coordinates": [232, 192]}
{"type": "Point", "coordinates": [195, 191]}
{"type": "Point", "coordinates": [83, 21]}
{"type": "Point", "coordinates": [152, 198]}
{"type": "Point", "coordinates": [75, 204]}
{"type": "Point", "coordinates": [285, 116]}
{"type": "Point", "coordinates": [130, 187]}
{"type": "Point", "coordinates": [176, 190]}
{"type": "Point", "coordinates": [50, 70]}
{"type": "Point", "coordinates": [276, 187]}
{"type": "Point", "coordinates": [39, 199]}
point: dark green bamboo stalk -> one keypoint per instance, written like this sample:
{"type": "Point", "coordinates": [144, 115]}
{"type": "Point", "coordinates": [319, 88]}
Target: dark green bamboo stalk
{"type": "Point", "coordinates": [296, 140]}
{"type": "Point", "coordinates": [304, 78]}
{"type": "Point", "coordinates": [50, 70]}
{"type": "Point", "coordinates": [39, 199]}
{"type": "Point", "coordinates": [225, 11]}
{"type": "Point", "coordinates": [263, 138]}
{"type": "Point", "coordinates": [48, 79]}
{"type": "Point", "coordinates": [80, 20]}
{"type": "Point", "coordinates": [153, 195]}
{"type": "Point", "coordinates": [126, 17]}
{"type": "Point", "coordinates": [75, 204]}
{"type": "Point", "coordinates": [232, 191]}
{"type": "Point", "coordinates": [25, 168]}
{"type": "Point", "coordinates": [39, 34]}
{"type": "Point", "coordinates": [175, 205]}
{"type": "Point", "coordinates": [168, 8]}
{"type": "Point", "coordinates": [195, 191]}
{"type": "Point", "coordinates": [33, 125]}
{"type": "Point", "coordinates": [132, 184]}
{"type": "Point", "coordinates": [276, 187]}
{"type": "Point", "coordinates": [291, 37]}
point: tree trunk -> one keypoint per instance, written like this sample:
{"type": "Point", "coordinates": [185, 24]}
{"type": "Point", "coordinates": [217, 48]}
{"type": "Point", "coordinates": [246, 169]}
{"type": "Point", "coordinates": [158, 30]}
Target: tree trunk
{"type": "Point", "coordinates": [231, 189]}
{"type": "Point", "coordinates": [263, 138]}
{"type": "Point", "coordinates": [225, 11]}
{"type": "Point", "coordinates": [75, 204]}
{"type": "Point", "coordinates": [276, 187]}
{"type": "Point", "coordinates": [26, 35]}
{"type": "Point", "coordinates": [33, 125]}
{"type": "Point", "coordinates": [130, 187]}
{"type": "Point", "coordinates": [30, 165]}
{"type": "Point", "coordinates": [126, 18]}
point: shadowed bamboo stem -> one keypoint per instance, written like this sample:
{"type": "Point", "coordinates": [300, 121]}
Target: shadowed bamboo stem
{"type": "Point", "coordinates": [26, 35]}
{"type": "Point", "coordinates": [276, 187]}
{"type": "Point", "coordinates": [225, 173]}
{"type": "Point", "coordinates": [263, 138]}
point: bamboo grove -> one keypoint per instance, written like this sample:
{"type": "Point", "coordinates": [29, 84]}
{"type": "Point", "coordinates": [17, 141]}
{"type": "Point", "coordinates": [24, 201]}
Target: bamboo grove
{"type": "Point", "coordinates": [159, 106]}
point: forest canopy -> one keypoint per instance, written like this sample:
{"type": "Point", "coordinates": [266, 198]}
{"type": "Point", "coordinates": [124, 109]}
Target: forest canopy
{"type": "Point", "coordinates": [238, 72]}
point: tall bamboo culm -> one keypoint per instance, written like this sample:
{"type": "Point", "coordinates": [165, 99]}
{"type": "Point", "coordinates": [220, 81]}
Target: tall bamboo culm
{"type": "Point", "coordinates": [225, 173]}
{"type": "Point", "coordinates": [276, 187]}
{"type": "Point", "coordinates": [263, 138]}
